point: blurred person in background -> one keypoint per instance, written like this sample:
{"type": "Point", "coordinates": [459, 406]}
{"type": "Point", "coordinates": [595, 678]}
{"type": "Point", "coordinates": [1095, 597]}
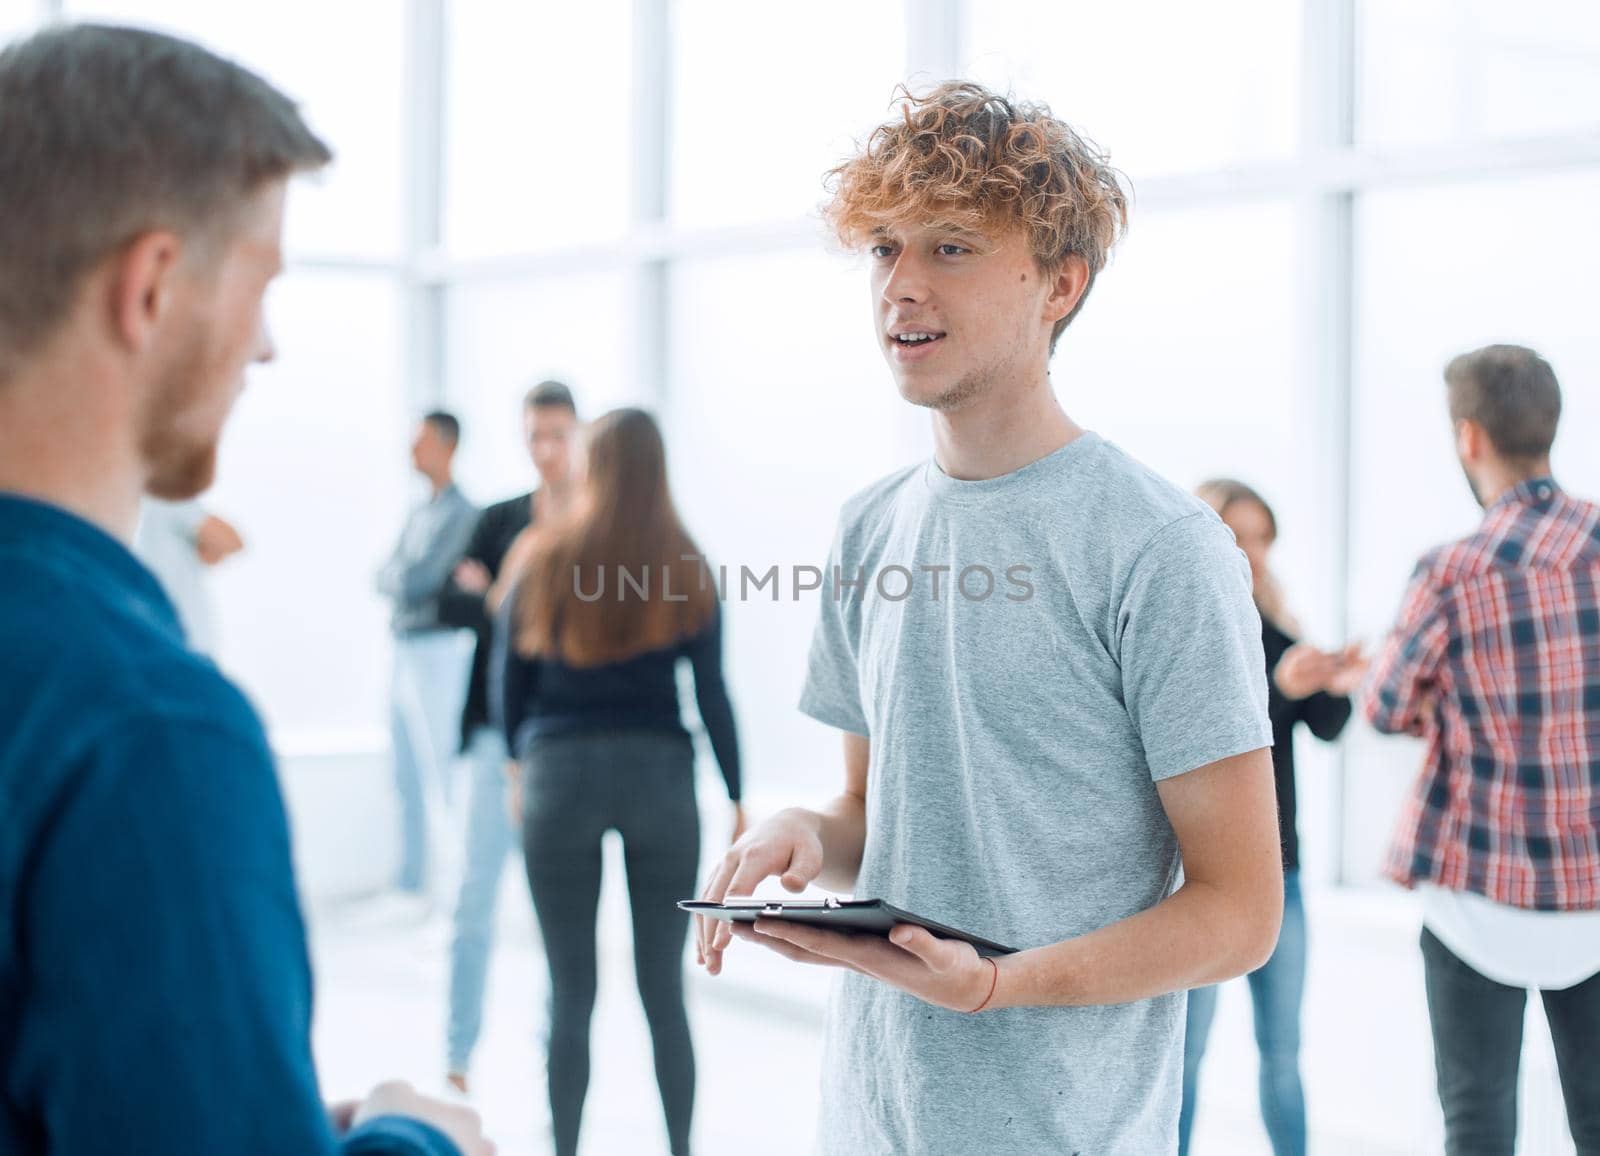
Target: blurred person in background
{"type": "Point", "coordinates": [430, 656]}
{"type": "Point", "coordinates": [1495, 662]}
{"type": "Point", "coordinates": [180, 542]}
{"type": "Point", "coordinates": [155, 988]}
{"type": "Point", "coordinates": [549, 426]}
{"type": "Point", "coordinates": [1304, 685]}
{"type": "Point", "coordinates": [587, 662]}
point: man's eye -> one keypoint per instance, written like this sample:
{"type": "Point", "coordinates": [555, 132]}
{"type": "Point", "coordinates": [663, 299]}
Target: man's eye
{"type": "Point", "coordinates": [949, 249]}
{"type": "Point", "coordinates": [881, 251]}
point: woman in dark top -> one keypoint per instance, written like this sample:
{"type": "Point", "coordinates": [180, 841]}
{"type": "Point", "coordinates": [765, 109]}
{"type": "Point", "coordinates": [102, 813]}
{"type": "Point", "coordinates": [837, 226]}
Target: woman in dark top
{"type": "Point", "coordinates": [1304, 685]}
{"type": "Point", "coordinates": [604, 605]}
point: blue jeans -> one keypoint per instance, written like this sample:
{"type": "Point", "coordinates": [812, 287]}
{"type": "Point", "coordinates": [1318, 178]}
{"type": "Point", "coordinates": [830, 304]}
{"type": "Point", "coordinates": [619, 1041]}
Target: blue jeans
{"type": "Point", "coordinates": [489, 840]}
{"type": "Point", "coordinates": [426, 697]}
{"type": "Point", "coordinates": [1276, 988]}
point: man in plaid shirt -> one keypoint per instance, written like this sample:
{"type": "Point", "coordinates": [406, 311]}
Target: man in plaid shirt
{"type": "Point", "coordinates": [1495, 663]}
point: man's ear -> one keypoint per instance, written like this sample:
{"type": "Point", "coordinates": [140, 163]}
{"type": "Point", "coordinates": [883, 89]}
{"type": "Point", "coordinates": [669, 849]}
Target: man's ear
{"type": "Point", "coordinates": [1070, 283]}
{"type": "Point", "coordinates": [142, 282]}
{"type": "Point", "coordinates": [1470, 440]}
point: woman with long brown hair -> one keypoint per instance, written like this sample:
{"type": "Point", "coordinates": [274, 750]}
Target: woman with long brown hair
{"type": "Point", "coordinates": [606, 603]}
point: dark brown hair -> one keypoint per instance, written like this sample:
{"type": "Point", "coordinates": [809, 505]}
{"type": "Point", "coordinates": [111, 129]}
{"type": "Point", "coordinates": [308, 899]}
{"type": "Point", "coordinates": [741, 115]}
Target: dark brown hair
{"type": "Point", "coordinates": [1512, 393]}
{"type": "Point", "coordinates": [623, 518]}
{"type": "Point", "coordinates": [550, 395]}
{"type": "Point", "coordinates": [447, 424]}
{"type": "Point", "coordinates": [108, 133]}
{"type": "Point", "coordinates": [964, 156]}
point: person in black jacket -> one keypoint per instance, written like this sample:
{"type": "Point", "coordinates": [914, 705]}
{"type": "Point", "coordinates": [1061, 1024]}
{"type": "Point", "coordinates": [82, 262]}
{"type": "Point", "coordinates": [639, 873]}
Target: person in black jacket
{"type": "Point", "coordinates": [587, 644]}
{"type": "Point", "coordinates": [1304, 685]}
{"type": "Point", "coordinates": [550, 422]}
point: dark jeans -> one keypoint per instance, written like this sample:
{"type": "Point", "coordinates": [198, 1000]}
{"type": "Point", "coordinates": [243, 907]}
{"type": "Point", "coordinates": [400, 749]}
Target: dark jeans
{"type": "Point", "coordinates": [1477, 1048]}
{"type": "Point", "coordinates": [575, 789]}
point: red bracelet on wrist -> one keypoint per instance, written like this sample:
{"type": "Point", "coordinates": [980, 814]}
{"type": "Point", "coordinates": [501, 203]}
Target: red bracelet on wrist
{"type": "Point", "coordinates": [994, 981]}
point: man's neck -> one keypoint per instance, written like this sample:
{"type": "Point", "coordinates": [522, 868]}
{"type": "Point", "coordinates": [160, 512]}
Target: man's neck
{"type": "Point", "coordinates": [1002, 431]}
{"type": "Point", "coordinates": [550, 498]}
{"type": "Point", "coordinates": [439, 483]}
{"type": "Point", "coordinates": [59, 444]}
{"type": "Point", "coordinates": [1500, 478]}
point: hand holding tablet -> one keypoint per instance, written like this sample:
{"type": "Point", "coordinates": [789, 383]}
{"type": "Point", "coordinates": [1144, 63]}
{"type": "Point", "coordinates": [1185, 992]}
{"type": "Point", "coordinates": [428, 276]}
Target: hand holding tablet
{"type": "Point", "coordinates": [865, 916]}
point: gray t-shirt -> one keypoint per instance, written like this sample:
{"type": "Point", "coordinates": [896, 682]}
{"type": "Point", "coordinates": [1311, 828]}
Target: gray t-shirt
{"type": "Point", "coordinates": [1016, 742]}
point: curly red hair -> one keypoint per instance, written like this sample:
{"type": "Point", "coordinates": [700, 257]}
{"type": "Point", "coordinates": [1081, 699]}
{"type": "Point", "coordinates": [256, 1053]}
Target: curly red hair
{"type": "Point", "coordinates": [967, 157]}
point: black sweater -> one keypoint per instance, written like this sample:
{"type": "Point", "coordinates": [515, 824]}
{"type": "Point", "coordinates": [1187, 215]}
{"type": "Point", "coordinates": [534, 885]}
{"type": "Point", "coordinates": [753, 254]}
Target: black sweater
{"type": "Point", "coordinates": [498, 526]}
{"type": "Point", "coordinates": [542, 696]}
{"type": "Point", "coordinates": [1325, 714]}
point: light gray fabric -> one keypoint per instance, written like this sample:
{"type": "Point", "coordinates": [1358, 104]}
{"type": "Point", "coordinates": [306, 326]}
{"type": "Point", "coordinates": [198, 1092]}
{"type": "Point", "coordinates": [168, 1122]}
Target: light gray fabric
{"type": "Point", "coordinates": [1016, 741]}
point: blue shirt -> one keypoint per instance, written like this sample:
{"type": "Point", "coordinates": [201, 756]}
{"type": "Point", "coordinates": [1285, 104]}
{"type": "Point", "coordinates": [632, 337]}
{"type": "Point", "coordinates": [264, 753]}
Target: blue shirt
{"type": "Point", "coordinates": [155, 992]}
{"type": "Point", "coordinates": [435, 536]}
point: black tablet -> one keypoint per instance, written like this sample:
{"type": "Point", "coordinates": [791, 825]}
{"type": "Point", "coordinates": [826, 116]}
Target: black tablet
{"type": "Point", "coordinates": [872, 916]}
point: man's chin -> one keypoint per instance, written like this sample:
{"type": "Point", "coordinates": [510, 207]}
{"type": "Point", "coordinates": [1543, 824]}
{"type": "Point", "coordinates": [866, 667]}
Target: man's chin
{"type": "Point", "coordinates": [178, 481]}
{"type": "Point", "coordinates": [940, 395]}
{"type": "Point", "coordinates": [922, 391]}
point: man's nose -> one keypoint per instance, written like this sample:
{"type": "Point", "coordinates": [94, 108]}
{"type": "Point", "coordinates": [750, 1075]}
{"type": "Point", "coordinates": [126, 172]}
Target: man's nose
{"type": "Point", "coordinates": [907, 281]}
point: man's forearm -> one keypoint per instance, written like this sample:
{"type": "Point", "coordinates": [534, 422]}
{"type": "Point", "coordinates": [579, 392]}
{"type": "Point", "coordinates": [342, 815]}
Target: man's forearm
{"type": "Point", "coordinates": [1199, 935]}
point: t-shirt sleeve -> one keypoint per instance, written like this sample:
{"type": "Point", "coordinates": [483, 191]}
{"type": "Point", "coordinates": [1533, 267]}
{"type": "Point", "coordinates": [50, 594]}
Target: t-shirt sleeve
{"type": "Point", "coordinates": [169, 1003]}
{"type": "Point", "coordinates": [832, 691]}
{"type": "Point", "coordinates": [1189, 645]}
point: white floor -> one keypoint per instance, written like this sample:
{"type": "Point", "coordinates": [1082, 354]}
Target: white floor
{"type": "Point", "coordinates": [1367, 1059]}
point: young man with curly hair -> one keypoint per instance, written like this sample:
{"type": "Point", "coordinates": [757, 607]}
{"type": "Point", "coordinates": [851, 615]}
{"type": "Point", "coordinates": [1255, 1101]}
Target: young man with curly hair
{"type": "Point", "coordinates": [1033, 764]}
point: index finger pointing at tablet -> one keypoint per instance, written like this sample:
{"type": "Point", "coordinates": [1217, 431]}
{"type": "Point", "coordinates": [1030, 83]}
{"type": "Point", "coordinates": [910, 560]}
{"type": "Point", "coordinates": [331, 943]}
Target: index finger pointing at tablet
{"type": "Point", "coordinates": [804, 866]}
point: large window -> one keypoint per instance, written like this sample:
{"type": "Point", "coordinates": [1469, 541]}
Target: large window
{"type": "Point", "coordinates": [627, 195]}
{"type": "Point", "coordinates": [310, 49]}
{"type": "Point", "coordinates": [1164, 87]}
{"type": "Point", "coordinates": [1448, 71]}
{"type": "Point", "coordinates": [757, 116]}
{"type": "Point", "coordinates": [537, 125]}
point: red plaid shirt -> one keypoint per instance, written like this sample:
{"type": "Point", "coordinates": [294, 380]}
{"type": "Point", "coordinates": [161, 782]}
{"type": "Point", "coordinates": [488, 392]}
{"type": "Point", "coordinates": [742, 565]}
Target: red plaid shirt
{"type": "Point", "coordinates": [1495, 661]}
